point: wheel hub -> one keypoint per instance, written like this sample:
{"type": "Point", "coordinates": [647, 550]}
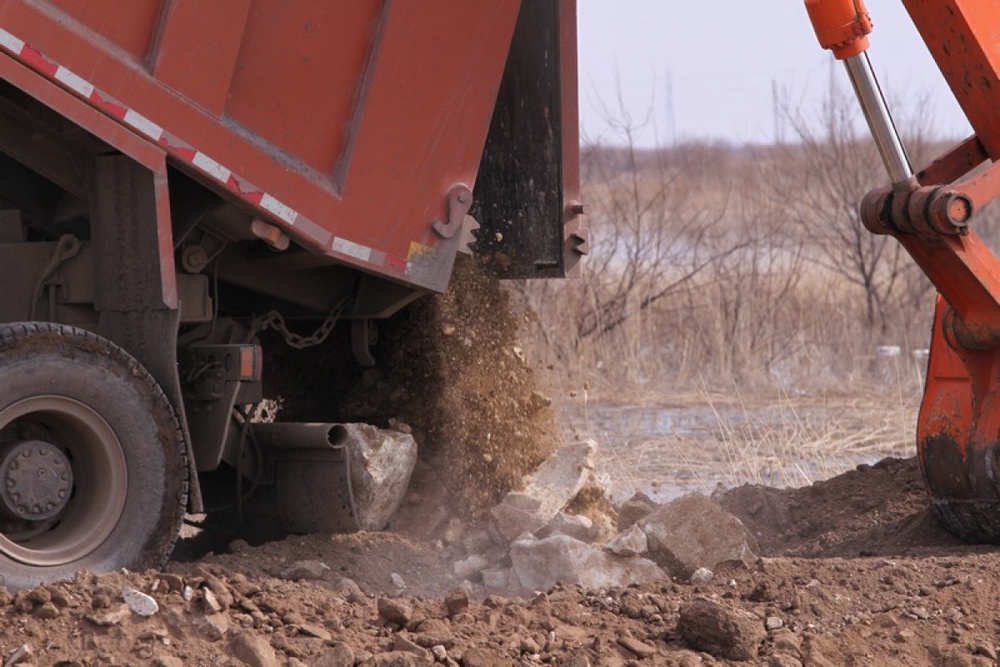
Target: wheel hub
{"type": "Point", "coordinates": [35, 480]}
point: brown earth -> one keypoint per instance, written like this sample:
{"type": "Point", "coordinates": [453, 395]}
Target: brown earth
{"type": "Point", "coordinates": [854, 571]}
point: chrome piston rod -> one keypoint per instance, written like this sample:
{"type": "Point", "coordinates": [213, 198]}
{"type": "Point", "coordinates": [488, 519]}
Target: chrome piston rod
{"type": "Point", "coordinates": [883, 130]}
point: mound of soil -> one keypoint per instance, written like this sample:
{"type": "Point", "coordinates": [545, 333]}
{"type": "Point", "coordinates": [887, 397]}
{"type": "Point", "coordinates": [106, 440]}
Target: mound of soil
{"type": "Point", "coordinates": [384, 599]}
{"type": "Point", "coordinates": [870, 511]}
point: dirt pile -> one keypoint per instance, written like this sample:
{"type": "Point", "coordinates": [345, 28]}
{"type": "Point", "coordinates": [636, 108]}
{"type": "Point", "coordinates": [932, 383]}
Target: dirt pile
{"type": "Point", "coordinates": [384, 599]}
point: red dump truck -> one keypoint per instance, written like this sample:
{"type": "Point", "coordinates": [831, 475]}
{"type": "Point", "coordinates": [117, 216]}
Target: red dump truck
{"type": "Point", "coordinates": [177, 176]}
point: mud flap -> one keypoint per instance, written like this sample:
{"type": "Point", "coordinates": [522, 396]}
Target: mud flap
{"type": "Point", "coordinates": [527, 190]}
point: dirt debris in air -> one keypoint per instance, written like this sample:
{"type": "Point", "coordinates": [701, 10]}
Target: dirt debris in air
{"type": "Point", "coordinates": [450, 368]}
{"type": "Point", "coordinates": [383, 599]}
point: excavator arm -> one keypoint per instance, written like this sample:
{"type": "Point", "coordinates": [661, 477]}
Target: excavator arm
{"type": "Point", "coordinates": [929, 213]}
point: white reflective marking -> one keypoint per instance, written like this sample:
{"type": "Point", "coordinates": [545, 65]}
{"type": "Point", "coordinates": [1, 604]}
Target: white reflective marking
{"type": "Point", "coordinates": [215, 169]}
{"type": "Point", "coordinates": [74, 81]}
{"type": "Point", "coordinates": [143, 124]}
{"type": "Point", "coordinates": [286, 213]}
{"type": "Point", "coordinates": [11, 43]}
{"type": "Point", "coordinates": [352, 249]}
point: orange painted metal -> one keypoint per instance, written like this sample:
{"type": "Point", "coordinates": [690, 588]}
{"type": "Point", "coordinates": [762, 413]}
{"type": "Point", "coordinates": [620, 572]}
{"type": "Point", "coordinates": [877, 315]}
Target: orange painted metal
{"type": "Point", "coordinates": [962, 37]}
{"type": "Point", "coordinates": [344, 123]}
{"type": "Point", "coordinates": [958, 434]}
{"type": "Point", "coordinates": [841, 25]}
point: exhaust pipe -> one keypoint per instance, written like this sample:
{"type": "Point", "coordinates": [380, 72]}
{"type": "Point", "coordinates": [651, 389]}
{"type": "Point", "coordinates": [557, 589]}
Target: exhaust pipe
{"type": "Point", "coordinates": [337, 477]}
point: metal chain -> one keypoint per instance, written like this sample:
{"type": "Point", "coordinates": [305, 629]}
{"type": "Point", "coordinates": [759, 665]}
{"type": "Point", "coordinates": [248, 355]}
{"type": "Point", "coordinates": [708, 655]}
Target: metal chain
{"type": "Point", "coordinates": [274, 320]}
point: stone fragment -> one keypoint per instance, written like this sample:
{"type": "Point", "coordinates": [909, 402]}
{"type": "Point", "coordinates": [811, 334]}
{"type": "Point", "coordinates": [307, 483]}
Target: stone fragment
{"type": "Point", "coordinates": [167, 661]}
{"type": "Point", "coordinates": [434, 631]}
{"type": "Point", "coordinates": [394, 611]}
{"type": "Point", "coordinates": [457, 602]}
{"type": "Point", "coordinates": [727, 633]}
{"type": "Point", "coordinates": [440, 652]}
{"type": "Point", "coordinates": [381, 463]}
{"type": "Point", "coordinates": [546, 492]}
{"type": "Point", "coordinates": [213, 627]}
{"type": "Point", "coordinates": [139, 602]}
{"type": "Point", "coordinates": [480, 657]}
{"type": "Point", "coordinates": [397, 580]}
{"type": "Point", "coordinates": [496, 580]}
{"type": "Point", "coordinates": [20, 655]}
{"type": "Point", "coordinates": [406, 645]}
{"type": "Point", "coordinates": [211, 602]}
{"type": "Point", "coordinates": [635, 508]}
{"type": "Point", "coordinates": [694, 531]}
{"type": "Point", "coordinates": [305, 569]}
{"type": "Point", "coordinates": [217, 586]}
{"type": "Point", "coordinates": [46, 612]}
{"type": "Point", "coordinates": [787, 642]}
{"type": "Point", "coordinates": [539, 564]}
{"type": "Point", "coordinates": [641, 650]}
{"type": "Point", "coordinates": [112, 616]}
{"type": "Point", "coordinates": [253, 650]}
{"type": "Point", "coordinates": [464, 569]}
{"type": "Point", "coordinates": [631, 542]}
{"type": "Point", "coordinates": [574, 525]}
{"type": "Point", "coordinates": [313, 630]}
{"type": "Point", "coordinates": [702, 575]}
{"type": "Point", "coordinates": [338, 655]}
{"type": "Point", "coordinates": [508, 522]}
{"type": "Point", "coordinates": [172, 582]}
{"type": "Point", "coordinates": [773, 623]}
{"type": "Point", "coordinates": [784, 660]}
{"type": "Point", "coordinates": [393, 659]}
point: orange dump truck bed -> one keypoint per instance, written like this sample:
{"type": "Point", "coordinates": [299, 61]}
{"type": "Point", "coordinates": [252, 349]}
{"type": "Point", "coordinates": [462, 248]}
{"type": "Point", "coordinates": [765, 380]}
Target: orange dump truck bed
{"type": "Point", "coordinates": [344, 125]}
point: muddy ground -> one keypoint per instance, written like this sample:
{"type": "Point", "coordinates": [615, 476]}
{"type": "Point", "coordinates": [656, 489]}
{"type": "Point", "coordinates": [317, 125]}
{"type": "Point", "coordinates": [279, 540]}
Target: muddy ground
{"type": "Point", "coordinates": [854, 571]}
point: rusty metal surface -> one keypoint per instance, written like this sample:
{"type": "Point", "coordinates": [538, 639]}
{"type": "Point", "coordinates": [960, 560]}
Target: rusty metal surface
{"type": "Point", "coordinates": [342, 123]}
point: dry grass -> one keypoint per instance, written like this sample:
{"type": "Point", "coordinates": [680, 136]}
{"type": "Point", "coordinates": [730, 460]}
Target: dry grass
{"type": "Point", "coordinates": [713, 341]}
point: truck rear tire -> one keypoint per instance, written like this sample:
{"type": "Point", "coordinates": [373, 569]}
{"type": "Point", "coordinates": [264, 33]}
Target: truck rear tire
{"type": "Point", "coordinates": [92, 461]}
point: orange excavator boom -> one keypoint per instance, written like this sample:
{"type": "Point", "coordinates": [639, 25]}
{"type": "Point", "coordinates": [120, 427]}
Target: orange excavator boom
{"type": "Point", "coordinates": [929, 212]}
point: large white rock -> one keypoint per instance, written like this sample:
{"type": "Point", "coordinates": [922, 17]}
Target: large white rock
{"type": "Point", "coordinates": [381, 464]}
{"type": "Point", "coordinates": [546, 492]}
{"type": "Point", "coordinates": [693, 532]}
{"type": "Point", "coordinates": [574, 525]}
{"type": "Point", "coordinates": [631, 542]}
{"type": "Point", "coordinates": [539, 564]}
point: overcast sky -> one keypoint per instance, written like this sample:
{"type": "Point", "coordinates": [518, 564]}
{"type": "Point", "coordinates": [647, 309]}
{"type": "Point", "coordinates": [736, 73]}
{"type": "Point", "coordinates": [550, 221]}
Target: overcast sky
{"type": "Point", "coordinates": [709, 69]}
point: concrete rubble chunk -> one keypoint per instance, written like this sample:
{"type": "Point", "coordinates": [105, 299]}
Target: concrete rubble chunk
{"type": "Point", "coordinates": [702, 575]}
{"type": "Point", "coordinates": [338, 655]}
{"type": "Point", "coordinates": [395, 611]}
{"type": "Point", "coordinates": [630, 543]}
{"type": "Point", "coordinates": [540, 564]}
{"type": "Point", "coordinates": [547, 491]}
{"type": "Point", "coordinates": [457, 602]}
{"type": "Point", "coordinates": [20, 655]}
{"type": "Point", "coordinates": [642, 650]}
{"type": "Point", "coordinates": [638, 507]}
{"type": "Point", "coordinates": [574, 525]}
{"type": "Point", "coordinates": [381, 463]}
{"type": "Point", "coordinates": [113, 616]}
{"type": "Point", "coordinates": [464, 569]}
{"type": "Point", "coordinates": [139, 602]}
{"type": "Point", "coordinates": [694, 531]}
{"type": "Point", "coordinates": [305, 569]}
{"type": "Point", "coordinates": [732, 634]}
{"type": "Point", "coordinates": [253, 650]}
{"type": "Point", "coordinates": [213, 627]}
